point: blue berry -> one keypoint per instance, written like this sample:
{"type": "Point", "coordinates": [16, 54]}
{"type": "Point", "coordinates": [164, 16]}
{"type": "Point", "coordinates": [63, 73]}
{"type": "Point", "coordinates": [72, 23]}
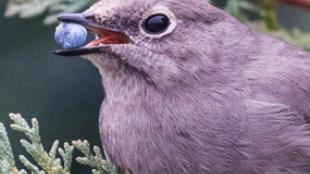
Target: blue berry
{"type": "Point", "coordinates": [70, 35]}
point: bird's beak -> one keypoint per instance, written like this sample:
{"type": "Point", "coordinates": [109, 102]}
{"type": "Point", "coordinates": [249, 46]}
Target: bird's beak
{"type": "Point", "coordinates": [105, 35]}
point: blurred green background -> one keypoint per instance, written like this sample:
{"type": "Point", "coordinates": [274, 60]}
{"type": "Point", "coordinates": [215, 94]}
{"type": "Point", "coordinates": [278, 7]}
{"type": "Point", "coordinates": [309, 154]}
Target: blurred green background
{"type": "Point", "coordinates": [63, 93]}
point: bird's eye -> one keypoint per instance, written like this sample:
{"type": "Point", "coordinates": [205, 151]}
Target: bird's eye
{"type": "Point", "coordinates": [156, 24]}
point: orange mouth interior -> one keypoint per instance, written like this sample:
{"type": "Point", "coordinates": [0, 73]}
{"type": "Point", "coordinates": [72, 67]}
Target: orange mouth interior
{"type": "Point", "coordinates": [105, 37]}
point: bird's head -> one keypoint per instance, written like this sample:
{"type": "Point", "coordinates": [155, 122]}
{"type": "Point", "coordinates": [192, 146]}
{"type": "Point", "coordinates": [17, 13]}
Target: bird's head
{"type": "Point", "coordinates": [163, 43]}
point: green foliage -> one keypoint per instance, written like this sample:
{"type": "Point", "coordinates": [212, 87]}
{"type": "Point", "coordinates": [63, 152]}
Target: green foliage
{"type": "Point", "coordinates": [57, 161]}
{"type": "Point", "coordinates": [32, 8]}
{"type": "Point", "coordinates": [295, 36]}
{"type": "Point", "coordinates": [95, 160]}
{"type": "Point", "coordinates": [266, 21]}
{"type": "Point", "coordinates": [264, 10]}
{"type": "Point", "coordinates": [7, 163]}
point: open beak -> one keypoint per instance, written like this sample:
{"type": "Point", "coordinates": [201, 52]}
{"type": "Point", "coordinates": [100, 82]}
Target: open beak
{"type": "Point", "coordinates": [105, 35]}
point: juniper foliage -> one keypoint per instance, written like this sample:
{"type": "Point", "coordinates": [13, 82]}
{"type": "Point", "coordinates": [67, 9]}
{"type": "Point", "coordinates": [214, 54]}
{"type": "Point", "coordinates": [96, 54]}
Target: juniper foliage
{"type": "Point", "coordinates": [57, 161]}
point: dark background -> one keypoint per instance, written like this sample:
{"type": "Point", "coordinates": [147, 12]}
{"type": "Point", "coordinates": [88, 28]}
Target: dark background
{"type": "Point", "coordinates": [63, 93]}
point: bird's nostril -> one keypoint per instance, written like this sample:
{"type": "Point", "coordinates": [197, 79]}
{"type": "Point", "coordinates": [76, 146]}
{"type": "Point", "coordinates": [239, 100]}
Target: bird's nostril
{"type": "Point", "coordinates": [91, 18]}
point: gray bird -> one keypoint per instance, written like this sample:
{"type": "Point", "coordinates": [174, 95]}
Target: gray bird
{"type": "Point", "coordinates": [190, 90]}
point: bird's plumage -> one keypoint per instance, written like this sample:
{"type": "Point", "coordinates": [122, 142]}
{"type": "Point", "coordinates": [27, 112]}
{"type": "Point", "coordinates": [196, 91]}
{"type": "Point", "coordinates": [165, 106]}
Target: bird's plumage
{"type": "Point", "coordinates": [208, 96]}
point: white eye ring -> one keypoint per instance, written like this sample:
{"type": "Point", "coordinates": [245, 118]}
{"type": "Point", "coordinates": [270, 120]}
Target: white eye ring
{"type": "Point", "coordinates": [159, 10]}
